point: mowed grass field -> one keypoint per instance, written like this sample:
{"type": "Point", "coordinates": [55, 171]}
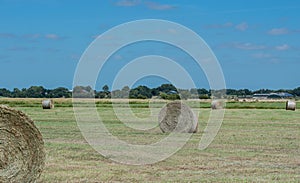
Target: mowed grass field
{"type": "Point", "coordinates": [257, 142]}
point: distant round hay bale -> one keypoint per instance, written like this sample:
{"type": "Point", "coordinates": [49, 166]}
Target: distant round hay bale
{"type": "Point", "coordinates": [290, 105]}
{"type": "Point", "coordinates": [177, 117]}
{"type": "Point", "coordinates": [217, 104]}
{"type": "Point", "coordinates": [47, 104]}
{"type": "Point", "coordinates": [22, 154]}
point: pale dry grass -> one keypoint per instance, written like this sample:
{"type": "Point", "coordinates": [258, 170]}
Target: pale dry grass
{"type": "Point", "coordinates": [252, 146]}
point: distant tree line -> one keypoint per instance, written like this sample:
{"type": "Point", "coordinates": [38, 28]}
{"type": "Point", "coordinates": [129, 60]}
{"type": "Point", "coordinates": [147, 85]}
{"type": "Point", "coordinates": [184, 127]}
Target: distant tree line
{"type": "Point", "coordinates": [36, 92]}
{"type": "Point", "coordinates": [165, 91]}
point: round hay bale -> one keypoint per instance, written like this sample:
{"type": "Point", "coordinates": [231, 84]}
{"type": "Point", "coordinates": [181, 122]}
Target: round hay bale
{"type": "Point", "coordinates": [47, 104]}
{"type": "Point", "coordinates": [22, 154]}
{"type": "Point", "coordinates": [177, 117]}
{"type": "Point", "coordinates": [290, 105]}
{"type": "Point", "coordinates": [216, 104]}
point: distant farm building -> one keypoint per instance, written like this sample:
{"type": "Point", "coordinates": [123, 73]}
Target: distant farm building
{"type": "Point", "coordinates": [272, 96]}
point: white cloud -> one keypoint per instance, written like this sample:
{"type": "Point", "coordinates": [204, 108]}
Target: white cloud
{"type": "Point", "coordinates": [2, 57]}
{"type": "Point", "coordinates": [219, 26]}
{"type": "Point", "coordinates": [278, 31]}
{"type": "Point", "coordinates": [242, 26]}
{"type": "Point", "coordinates": [261, 55]}
{"type": "Point", "coordinates": [282, 47]}
{"type": "Point", "coordinates": [149, 4]}
{"type": "Point", "coordinates": [19, 48]}
{"type": "Point", "coordinates": [7, 35]}
{"type": "Point", "coordinates": [128, 3]}
{"type": "Point", "coordinates": [157, 6]}
{"type": "Point", "coordinates": [172, 31]}
{"type": "Point", "coordinates": [52, 36]}
{"type": "Point", "coordinates": [248, 46]}
{"type": "Point", "coordinates": [118, 57]}
{"type": "Point", "coordinates": [242, 46]}
{"type": "Point", "coordinates": [52, 50]}
{"type": "Point", "coordinates": [75, 57]}
{"type": "Point", "coordinates": [32, 36]}
{"type": "Point", "coordinates": [95, 36]}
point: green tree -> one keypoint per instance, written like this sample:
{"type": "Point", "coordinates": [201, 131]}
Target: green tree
{"type": "Point", "coordinates": [202, 91]}
{"type": "Point", "coordinates": [140, 92]}
{"type": "Point", "coordinates": [59, 92]}
{"type": "Point", "coordinates": [125, 92]}
{"type": "Point", "coordinates": [116, 94]}
{"type": "Point", "coordinates": [35, 92]}
{"type": "Point", "coordinates": [184, 94]}
{"type": "Point", "coordinates": [105, 88]}
{"type": "Point", "coordinates": [100, 94]}
{"type": "Point", "coordinates": [166, 88]}
{"type": "Point", "coordinates": [83, 92]}
{"type": "Point", "coordinates": [296, 91]}
{"type": "Point", "coordinates": [171, 96]}
{"type": "Point", "coordinates": [18, 93]}
{"type": "Point", "coordinates": [5, 92]}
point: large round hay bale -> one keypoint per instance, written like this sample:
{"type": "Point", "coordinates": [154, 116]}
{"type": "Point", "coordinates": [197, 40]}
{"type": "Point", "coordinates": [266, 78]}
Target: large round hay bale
{"type": "Point", "coordinates": [22, 154]}
{"type": "Point", "coordinates": [47, 104]}
{"type": "Point", "coordinates": [217, 104]}
{"type": "Point", "coordinates": [290, 105]}
{"type": "Point", "coordinates": [177, 117]}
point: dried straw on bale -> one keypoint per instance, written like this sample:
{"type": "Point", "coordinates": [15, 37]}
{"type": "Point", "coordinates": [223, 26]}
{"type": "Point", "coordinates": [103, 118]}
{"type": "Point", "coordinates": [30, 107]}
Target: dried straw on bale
{"type": "Point", "coordinates": [47, 104]}
{"type": "Point", "coordinates": [290, 105]}
{"type": "Point", "coordinates": [177, 117]}
{"type": "Point", "coordinates": [22, 154]}
{"type": "Point", "coordinates": [217, 104]}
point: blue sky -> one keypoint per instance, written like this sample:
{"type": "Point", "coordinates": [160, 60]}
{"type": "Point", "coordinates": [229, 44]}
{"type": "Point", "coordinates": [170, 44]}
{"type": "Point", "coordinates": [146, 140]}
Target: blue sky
{"type": "Point", "coordinates": [256, 42]}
